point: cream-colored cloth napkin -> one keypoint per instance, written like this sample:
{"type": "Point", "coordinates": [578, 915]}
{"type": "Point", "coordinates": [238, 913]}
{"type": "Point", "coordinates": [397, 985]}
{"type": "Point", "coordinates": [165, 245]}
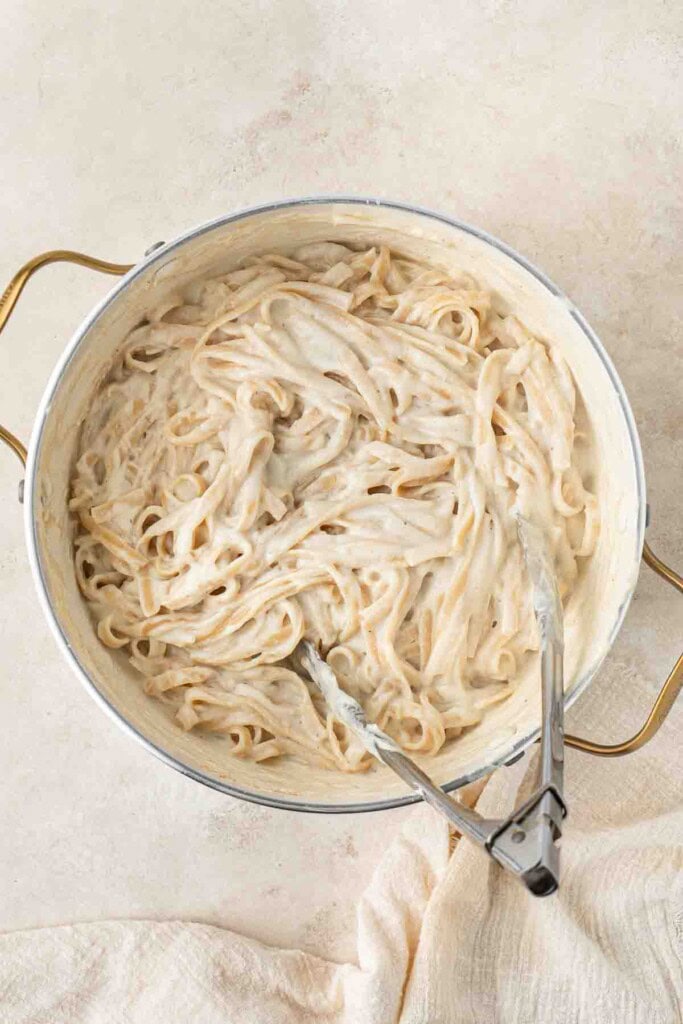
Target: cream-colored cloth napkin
{"type": "Point", "coordinates": [442, 938]}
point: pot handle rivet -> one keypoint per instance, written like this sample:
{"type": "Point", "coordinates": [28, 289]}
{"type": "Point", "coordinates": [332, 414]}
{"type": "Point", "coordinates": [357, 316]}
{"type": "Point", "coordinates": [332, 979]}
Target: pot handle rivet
{"type": "Point", "coordinates": [515, 759]}
{"type": "Point", "coordinates": [153, 248]}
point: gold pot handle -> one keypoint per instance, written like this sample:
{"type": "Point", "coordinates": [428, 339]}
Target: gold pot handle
{"type": "Point", "coordinates": [16, 287]}
{"type": "Point", "coordinates": [667, 695]}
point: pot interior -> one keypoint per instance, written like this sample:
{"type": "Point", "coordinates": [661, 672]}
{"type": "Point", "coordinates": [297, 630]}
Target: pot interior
{"type": "Point", "coordinates": [595, 609]}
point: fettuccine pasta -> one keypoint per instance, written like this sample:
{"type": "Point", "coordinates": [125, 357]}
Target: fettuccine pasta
{"type": "Point", "coordinates": [327, 444]}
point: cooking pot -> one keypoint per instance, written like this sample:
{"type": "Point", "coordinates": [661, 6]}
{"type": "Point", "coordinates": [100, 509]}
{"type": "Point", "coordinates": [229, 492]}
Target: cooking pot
{"type": "Point", "coordinates": [594, 613]}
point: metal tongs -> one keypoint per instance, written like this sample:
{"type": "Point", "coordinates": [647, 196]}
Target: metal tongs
{"type": "Point", "coordinates": [524, 843]}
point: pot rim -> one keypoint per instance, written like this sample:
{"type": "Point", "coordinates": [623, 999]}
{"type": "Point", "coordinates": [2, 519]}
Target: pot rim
{"type": "Point", "coordinates": [155, 255]}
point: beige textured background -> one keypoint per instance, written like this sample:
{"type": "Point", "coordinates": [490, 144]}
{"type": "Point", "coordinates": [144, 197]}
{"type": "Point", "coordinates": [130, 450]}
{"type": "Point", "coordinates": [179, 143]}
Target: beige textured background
{"type": "Point", "coordinates": [555, 126]}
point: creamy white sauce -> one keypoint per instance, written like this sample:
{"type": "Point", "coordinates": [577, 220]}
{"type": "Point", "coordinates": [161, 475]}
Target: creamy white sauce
{"type": "Point", "coordinates": [330, 443]}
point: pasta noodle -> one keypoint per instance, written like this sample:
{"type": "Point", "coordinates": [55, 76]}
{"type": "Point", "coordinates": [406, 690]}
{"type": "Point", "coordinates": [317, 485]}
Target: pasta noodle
{"type": "Point", "coordinates": [329, 444]}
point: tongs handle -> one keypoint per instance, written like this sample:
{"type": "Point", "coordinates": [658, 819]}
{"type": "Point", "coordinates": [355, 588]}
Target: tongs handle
{"type": "Point", "coordinates": [526, 840]}
{"type": "Point", "coordinates": [551, 769]}
{"type": "Point", "coordinates": [524, 843]}
{"type": "Point", "coordinates": [467, 821]}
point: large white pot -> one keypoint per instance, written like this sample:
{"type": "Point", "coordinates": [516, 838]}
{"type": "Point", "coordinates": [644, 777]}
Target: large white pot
{"type": "Point", "coordinates": [596, 609]}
